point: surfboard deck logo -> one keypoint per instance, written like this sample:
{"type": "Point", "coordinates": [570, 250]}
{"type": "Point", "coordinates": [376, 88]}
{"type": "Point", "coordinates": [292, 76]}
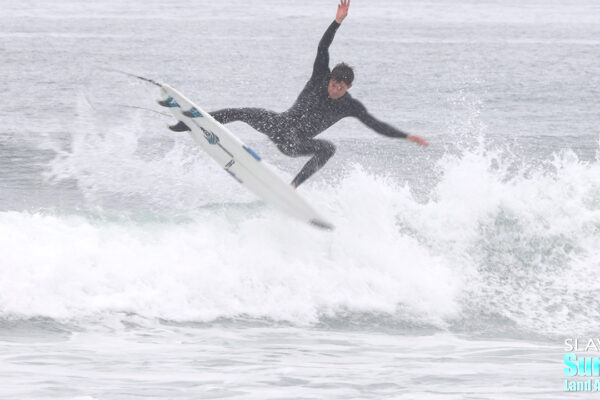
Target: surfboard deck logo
{"type": "Point", "coordinates": [210, 137]}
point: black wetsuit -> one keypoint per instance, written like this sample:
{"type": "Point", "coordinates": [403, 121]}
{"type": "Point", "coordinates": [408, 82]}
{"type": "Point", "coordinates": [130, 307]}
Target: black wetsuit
{"type": "Point", "coordinates": [293, 131]}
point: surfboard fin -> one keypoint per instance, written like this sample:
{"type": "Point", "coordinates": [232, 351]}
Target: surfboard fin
{"type": "Point", "coordinates": [168, 102]}
{"type": "Point", "coordinates": [179, 127]}
{"type": "Point", "coordinates": [192, 113]}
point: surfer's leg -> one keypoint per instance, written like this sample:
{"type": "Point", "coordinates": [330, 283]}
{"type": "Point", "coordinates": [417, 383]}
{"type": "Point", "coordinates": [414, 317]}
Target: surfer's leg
{"type": "Point", "coordinates": [260, 119]}
{"type": "Point", "coordinates": [321, 151]}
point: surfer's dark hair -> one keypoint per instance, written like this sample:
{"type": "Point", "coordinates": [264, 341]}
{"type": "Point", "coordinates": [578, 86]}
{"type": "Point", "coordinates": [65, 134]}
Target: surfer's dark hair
{"type": "Point", "coordinates": [343, 73]}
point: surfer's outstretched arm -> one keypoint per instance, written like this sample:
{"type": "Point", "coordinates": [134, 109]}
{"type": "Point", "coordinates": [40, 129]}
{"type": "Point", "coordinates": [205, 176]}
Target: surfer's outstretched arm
{"type": "Point", "coordinates": [360, 112]}
{"type": "Point", "coordinates": [321, 65]}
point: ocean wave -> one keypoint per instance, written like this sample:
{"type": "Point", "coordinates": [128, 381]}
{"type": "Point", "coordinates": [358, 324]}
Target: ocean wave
{"type": "Point", "coordinates": [489, 247]}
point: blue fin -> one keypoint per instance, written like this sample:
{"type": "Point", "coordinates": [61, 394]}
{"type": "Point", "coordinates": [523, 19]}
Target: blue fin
{"type": "Point", "coordinates": [169, 102]}
{"type": "Point", "coordinates": [192, 113]}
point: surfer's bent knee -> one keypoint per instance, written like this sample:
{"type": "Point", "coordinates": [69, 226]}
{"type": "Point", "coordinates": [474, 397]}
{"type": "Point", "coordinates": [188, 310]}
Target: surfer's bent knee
{"type": "Point", "coordinates": [328, 149]}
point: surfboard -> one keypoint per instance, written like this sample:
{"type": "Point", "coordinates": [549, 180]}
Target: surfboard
{"type": "Point", "coordinates": [237, 159]}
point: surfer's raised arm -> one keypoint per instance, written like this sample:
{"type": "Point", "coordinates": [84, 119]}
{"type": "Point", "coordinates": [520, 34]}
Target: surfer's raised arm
{"type": "Point", "coordinates": [321, 65]}
{"type": "Point", "coordinates": [342, 11]}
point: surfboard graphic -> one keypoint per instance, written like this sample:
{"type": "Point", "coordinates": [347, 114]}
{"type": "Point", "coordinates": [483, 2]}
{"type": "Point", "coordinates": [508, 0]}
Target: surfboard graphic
{"type": "Point", "coordinates": [237, 159]}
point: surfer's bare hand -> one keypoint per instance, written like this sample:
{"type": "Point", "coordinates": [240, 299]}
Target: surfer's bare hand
{"type": "Point", "coordinates": [342, 11]}
{"type": "Point", "coordinates": [418, 140]}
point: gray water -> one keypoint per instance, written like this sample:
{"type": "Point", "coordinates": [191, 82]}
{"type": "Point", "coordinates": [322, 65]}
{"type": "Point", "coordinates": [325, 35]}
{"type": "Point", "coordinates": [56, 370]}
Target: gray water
{"type": "Point", "coordinates": [132, 267]}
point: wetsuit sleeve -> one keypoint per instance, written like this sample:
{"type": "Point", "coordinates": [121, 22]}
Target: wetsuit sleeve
{"type": "Point", "coordinates": [360, 112]}
{"type": "Point", "coordinates": [321, 65]}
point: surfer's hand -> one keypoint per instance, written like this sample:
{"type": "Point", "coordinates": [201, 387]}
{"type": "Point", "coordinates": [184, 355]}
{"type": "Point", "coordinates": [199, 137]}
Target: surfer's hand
{"type": "Point", "coordinates": [342, 11]}
{"type": "Point", "coordinates": [418, 140]}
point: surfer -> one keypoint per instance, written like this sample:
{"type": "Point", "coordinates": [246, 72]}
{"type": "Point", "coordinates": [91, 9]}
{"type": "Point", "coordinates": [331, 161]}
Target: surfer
{"type": "Point", "coordinates": [323, 102]}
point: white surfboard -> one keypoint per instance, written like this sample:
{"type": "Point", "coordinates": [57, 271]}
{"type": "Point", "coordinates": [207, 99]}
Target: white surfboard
{"type": "Point", "coordinates": [239, 160]}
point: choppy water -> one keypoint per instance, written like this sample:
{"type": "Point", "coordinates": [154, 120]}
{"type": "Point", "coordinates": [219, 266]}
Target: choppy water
{"type": "Point", "coordinates": [131, 266]}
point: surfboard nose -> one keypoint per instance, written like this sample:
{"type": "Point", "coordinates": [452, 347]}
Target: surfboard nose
{"type": "Point", "coordinates": [322, 224]}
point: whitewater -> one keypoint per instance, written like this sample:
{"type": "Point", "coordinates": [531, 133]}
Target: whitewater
{"type": "Point", "coordinates": [131, 266]}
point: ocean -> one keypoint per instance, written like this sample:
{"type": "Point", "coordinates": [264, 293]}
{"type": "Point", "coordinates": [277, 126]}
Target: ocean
{"type": "Point", "coordinates": [132, 267]}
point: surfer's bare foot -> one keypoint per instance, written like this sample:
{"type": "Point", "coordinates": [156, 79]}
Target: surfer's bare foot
{"type": "Point", "coordinates": [293, 185]}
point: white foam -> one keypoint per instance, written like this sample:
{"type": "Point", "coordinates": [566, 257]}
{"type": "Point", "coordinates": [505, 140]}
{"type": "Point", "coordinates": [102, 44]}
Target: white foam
{"type": "Point", "coordinates": [221, 264]}
{"type": "Point", "coordinates": [489, 240]}
{"type": "Point", "coordinates": [486, 242]}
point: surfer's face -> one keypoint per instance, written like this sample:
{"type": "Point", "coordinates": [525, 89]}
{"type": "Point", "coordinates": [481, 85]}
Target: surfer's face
{"type": "Point", "coordinates": [337, 89]}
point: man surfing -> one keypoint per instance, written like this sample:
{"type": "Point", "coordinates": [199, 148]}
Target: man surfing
{"type": "Point", "coordinates": [323, 102]}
